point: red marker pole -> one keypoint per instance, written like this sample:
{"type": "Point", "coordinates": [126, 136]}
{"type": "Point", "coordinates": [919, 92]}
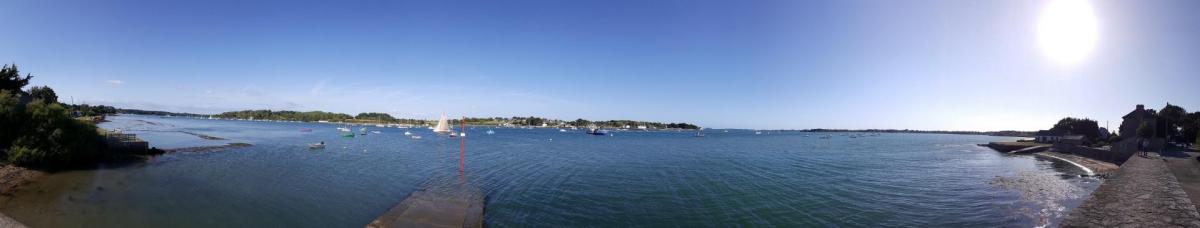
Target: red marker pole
{"type": "Point", "coordinates": [462, 144]}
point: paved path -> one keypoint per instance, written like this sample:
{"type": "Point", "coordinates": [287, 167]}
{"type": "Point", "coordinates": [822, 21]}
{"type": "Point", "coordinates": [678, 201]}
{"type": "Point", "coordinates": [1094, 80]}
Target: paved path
{"type": "Point", "coordinates": [1143, 193]}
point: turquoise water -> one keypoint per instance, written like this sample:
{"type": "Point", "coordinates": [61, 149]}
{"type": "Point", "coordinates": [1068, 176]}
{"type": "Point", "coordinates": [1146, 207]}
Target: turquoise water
{"type": "Point", "coordinates": [542, 177]}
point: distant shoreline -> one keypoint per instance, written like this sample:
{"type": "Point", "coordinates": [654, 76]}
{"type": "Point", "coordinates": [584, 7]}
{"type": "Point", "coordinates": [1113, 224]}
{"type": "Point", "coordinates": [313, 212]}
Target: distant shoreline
{"type": "Point", "coordinates": [990, 133]}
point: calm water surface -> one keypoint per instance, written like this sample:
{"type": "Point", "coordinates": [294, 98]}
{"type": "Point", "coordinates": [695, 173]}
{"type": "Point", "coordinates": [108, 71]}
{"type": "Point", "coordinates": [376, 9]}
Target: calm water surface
{"type": "Point", "coordinates": [542, 177]}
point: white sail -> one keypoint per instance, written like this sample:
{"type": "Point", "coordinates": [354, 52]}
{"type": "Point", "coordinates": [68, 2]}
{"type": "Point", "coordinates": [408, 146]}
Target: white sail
{"type": "Point", "coordinates": [443, 126]}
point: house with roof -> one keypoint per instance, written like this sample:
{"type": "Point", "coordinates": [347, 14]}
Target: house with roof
{"type": "Point", "coordinates": [1130, 143]}
{"type": "Point", "coordinates": [1134, 119]}
{"type": "Point", "coordinates": [1073, 140]}
{"type": "Point", "coordinates": [1047, 136]}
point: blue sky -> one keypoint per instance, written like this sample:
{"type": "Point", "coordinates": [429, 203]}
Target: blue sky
{"type": "Point", "coordinates": [954, 65]}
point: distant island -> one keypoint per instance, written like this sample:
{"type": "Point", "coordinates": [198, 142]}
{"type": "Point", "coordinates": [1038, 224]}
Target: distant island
{"type": "Point", "coordinates": [384, 118]}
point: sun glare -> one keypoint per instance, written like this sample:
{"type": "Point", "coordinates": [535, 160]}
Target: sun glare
{"type": "Point", "coordinates": [1067, 30]}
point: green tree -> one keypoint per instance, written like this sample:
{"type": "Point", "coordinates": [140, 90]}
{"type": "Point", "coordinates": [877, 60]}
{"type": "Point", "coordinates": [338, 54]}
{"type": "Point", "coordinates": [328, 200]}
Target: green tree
{"type": "Point", "coordinates": [11, 118]}
{"type": "Point", "coordinates": [581, 122]}
{"type": "Point", "coordinates": [44, 93]}
{"type": "Point", "coordinates": [1191, 126]}
{"type": "Point", "coordinates": [10, 79]}
{"type": "Point", "coordinates": [1076, 126]}
{"type": "Point", "coordinates": [1171, 118]}
{"type": "Point", "coordinates": [53, 139]}
{"type": "Point", "coordinates": [375, 116]}
{"type": "Point", "coordinates": [1145, 131]}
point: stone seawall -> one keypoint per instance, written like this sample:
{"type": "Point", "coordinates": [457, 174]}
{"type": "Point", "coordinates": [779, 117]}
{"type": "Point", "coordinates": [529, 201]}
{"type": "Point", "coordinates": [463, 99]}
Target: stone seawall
{"type": "Point", "coordinates": [1112, 156]}
{"type": "Point", "coordinates": [8, 222]}
{"type": "Point", "coordinates": [1143, 193]}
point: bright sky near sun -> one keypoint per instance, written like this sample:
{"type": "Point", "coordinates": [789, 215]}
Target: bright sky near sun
{"type": "Point", "coordinates": [952, 65]}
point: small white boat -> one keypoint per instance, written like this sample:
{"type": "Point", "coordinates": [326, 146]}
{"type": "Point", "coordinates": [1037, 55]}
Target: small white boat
{"type": "Point", "coordinates": [416, 137]}
{"type": "Point", "coordinates": [376, 132]}
{"type": "Point", "coordinates": [491, 132]}
{"type": "Point", "coordinates": [462, 134]}
{"type": "Point", "coordinates": [407, 133]}
{"type": "Point", "coordinates": [317, 146]}
{"type": "Point", "coordinates": [562, 130]}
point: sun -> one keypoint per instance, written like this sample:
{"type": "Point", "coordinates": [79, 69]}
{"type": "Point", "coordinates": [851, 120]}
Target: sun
{"type": "Point", "coordinates": [1066, 30]}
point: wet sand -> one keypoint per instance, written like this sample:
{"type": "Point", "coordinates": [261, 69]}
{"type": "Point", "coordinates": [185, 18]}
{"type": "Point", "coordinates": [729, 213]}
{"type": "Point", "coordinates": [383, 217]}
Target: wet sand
{"type": "Point", "coordinates": [13, 177]}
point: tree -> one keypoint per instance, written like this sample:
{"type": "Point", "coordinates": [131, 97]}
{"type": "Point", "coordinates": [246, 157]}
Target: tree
{"type": "Point", "coordinates": [1191, 126]}
{"type": "Point", "coordinates": [44, 93]}
{"type": "Point", "coordinates": [11, 118]}
{"type": "Point", "coordinates": [581, 122]}
{"type": "Point", "coordinates": [1145, 131]}
{"type": "Point", "coordinates": [1171, 118]}
{"type": "Point", "coordinates": [375, 116]}
{"type": "Point", "coordinates": [10, 79]}
{"type": "Point", "coordinates": [1086, 127]}
{"type": "Point", "coordinates": [52, 139]}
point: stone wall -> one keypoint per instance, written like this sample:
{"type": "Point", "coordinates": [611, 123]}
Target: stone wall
{"type": "Point", "coordinates": [1115, 156]}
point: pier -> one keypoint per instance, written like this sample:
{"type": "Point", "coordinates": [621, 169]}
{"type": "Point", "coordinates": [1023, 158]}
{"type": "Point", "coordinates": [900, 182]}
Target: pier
{"type": "Point", "coordinates": [453, 205]}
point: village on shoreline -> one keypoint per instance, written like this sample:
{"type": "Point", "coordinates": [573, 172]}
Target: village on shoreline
{"type": "Point", "coordinates": [1152, 170]}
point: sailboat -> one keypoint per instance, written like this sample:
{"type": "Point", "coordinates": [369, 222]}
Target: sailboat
{"type": "Point", "coordinates": [699, 132]}
{"type": "Point", "coordinates": [443, 126]}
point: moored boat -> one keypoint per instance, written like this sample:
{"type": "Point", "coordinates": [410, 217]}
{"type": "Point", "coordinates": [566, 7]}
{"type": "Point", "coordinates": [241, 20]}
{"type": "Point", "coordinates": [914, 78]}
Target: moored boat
{"type": "Point", "coordinates": [595, 131]}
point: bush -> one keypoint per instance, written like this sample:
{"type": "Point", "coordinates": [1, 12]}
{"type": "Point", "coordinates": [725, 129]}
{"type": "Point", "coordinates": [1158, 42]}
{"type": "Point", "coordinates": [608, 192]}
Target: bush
{"type": "Point", "coordinates": [11, 118]}
{"type": "Point", "coordinates": [41, 133]}
{"type": "Point", "coordinates": [51, 138]}
{"type": "Point", "coordinates": [25, 155]}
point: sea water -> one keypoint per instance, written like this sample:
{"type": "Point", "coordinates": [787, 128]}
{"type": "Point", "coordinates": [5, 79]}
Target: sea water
{"type": "Point", "coordinates": [548, 178]}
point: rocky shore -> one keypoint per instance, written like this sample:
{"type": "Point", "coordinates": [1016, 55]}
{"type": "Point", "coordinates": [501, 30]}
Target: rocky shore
{"type": "Point", "coordinates": [209, 149]}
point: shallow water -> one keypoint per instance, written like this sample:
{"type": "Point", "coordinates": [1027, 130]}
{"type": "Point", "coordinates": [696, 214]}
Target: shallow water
{"type": "Point", "coordinates": [542, 177]}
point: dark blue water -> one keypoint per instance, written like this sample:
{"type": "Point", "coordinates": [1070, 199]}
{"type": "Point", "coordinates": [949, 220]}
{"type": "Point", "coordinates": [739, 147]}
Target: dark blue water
{"type": "Point", "coordinates": [543, 177]}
